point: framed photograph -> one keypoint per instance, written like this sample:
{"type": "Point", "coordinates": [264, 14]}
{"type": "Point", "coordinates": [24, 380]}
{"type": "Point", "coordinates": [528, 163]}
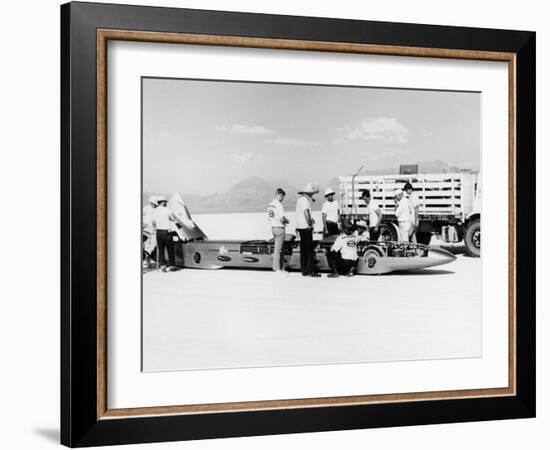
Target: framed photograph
{"type": "Point", "coordinates": [272, 224]}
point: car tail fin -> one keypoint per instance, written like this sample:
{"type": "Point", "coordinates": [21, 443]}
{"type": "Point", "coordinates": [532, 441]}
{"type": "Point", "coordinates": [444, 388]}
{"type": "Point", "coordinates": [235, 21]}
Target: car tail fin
{"type": "Point", "coordinates": [189, 230]}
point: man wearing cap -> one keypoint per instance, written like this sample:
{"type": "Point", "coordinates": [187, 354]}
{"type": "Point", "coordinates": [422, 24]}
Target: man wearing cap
{"type": "Point", "coordinates": [374, 214]}
{"type": "Point", "coordinates": [304, 226]}
{"type": "Point", "coordinates": [162, 218]}
{"type": "Point", "coordinates": [413, 207]}
{"type": "Point", "coordinates": [148, 232]}
{"type": "Point", "coordinates": [342, 257]}
{"type": "Point", "coordinates": [278, 222]}
{"type": "Point", "coordinates": [403, 214]}
{"type": "Point", "coordinates": [331, 214]}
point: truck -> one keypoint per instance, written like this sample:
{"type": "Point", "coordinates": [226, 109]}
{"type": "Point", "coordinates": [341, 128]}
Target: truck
{"type": "Point", "coordinates": [449, 205]}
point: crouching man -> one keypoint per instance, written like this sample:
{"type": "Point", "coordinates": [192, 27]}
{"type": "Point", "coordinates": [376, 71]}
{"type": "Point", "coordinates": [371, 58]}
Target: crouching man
{"type": "Point", "coordinates": [342, 257]}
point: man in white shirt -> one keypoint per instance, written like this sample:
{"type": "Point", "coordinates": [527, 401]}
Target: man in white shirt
{"type": "Point", "coordinates": [278, 222]}
{"type": "Point", "coordinates": [374, 214]}
{"type": "Point", "coordinates": [162, 218]}
{"type": "Point", "coordinates": [148, 232]}
{"type": "Point", "coordinates": [403, 214]}
{"type": "Point", "coordinates": [330, 214]}
{"type": "Point", "coordinates": [361, 231]}
{"type": "Point", "coordinates": [413, 207]}
{"type": "Point", "coordinates": [342, 257]}
{"type": "Point", "coordinates": [304, 227]}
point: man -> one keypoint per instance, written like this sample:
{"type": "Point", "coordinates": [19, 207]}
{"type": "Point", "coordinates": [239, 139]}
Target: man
{"type": "Point", "coordinates": [304, 226]}
{"type": "Point", "coordinates": [403, 214]}
{"type": "Point", "coordinates": [330, 214]}
{"type": "Point", "coordinates": [278, 222]}
{"type": "Point", "coordinates": [162, 218]}
{"type": "Point", "coordinates": [361, 232]}
{"type": "Point", "coordinates": [148, 232]}
{"type": "Point", "coordinates": [374, 214]}
{"type": "Point", "coordinates": [413, 207]}
{"type": "Point", "coordinates": [342, 257]}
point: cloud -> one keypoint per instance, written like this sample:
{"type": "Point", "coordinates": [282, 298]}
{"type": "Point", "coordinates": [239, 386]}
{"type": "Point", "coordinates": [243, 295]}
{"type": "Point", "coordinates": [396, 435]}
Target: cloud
{"type": "Point", "coordinates": [238, 128]}
{"type": "Point", "coordinates": [381, 129]}
{"type": "Point", "coordinates": [270, 136]}
{"type": "Point", "coordinates": [292, 142]}
{"type": "Point", "coordinates": [242, 158]}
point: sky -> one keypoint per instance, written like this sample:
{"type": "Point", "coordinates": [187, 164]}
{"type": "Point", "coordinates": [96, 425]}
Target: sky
{"type": "Point", "coordinates": [202, 137]}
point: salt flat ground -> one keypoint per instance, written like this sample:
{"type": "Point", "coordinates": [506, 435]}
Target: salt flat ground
{"type": "Point", "coordinates": [198, 319]}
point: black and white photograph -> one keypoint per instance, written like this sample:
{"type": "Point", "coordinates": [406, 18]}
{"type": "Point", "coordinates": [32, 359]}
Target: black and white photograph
{"type": "Point", "coordinates": [300, 224]}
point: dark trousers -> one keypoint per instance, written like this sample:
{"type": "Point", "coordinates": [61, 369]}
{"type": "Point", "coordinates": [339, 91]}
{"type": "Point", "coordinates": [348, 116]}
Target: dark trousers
{"type": "Point", "coordinates": [332, 228]}
{"type": "Point", "coordinates": [374, 233]}
{"type": "Point", "coordinates": [339, 264]}
{"type": "Point", "coordinates": [165, 243]}
{"type": "Point", "coordinates": [306, 251]}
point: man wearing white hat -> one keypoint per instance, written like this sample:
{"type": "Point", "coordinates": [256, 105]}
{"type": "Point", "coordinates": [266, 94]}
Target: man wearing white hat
{"type": "Point", "coordinates": [304, 227]}
{"type": "Point", "coordinates": [331, 214]}
{"type": "Point", "coordinates": [148, 232]}
{"type": "Point", "coordinates": [403, 214]}
{"type": "Point", "coordinates": [148, 209]}
{"type": "Point", "coordinates": [361, 232]}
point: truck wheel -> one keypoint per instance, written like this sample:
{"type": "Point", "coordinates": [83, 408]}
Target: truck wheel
{"type": "Point", "coordinates": [387, 232]}
{"type": "Point", "coordinates": [472, 238]}
{"type": "Point", "coordinates": [423, 238]}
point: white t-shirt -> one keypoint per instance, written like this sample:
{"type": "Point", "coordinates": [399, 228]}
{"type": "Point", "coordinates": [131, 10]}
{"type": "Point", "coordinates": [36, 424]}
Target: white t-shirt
{"type": "Point", "coordinates": [162, 216]}
{"type": "Point", "coordinates": [347, 246]}
{"type": "Point", "coordinates": [403, 211]}
{"type": "Point", "coordinates": [331, 210]}
{"type": "Point", "coordinates": [302, 205]}
{"type": "Point", "coordinates": [148, 216]}
{"type": "Point", "coordinates": [373, 217]}
{"type": "Point", "coordinates": [275, 214]}
{"type": "Point", "coordinates": [413, 202]}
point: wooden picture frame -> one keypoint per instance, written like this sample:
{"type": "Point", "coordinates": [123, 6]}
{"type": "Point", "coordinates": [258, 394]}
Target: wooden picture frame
{"type": "Point", "coordinates": [85, 416]}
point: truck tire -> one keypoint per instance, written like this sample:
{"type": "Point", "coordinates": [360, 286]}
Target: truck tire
{"type": "Point", "coordinates": [423, 238]}
{"type": "Point", "coordinates": [472, 238]}
{"type": "Point", "coordinates": [387, 232]}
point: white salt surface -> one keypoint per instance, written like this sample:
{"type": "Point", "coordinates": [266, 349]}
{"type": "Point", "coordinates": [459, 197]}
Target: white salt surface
{"type": "Point", "coordinates": [196, 319]}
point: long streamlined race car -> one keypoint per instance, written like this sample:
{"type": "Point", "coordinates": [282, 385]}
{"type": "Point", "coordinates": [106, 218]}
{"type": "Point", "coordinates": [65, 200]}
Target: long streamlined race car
{"type": "Point", "coordinates": [195, 251]}
{"type": "Point", "coordinates": [374, 257]}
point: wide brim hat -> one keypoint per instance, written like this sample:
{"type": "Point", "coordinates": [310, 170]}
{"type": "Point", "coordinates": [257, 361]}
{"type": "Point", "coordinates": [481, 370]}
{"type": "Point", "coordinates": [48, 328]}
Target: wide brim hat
{"type": "Point", "coordinates": [161, 198]}
{"type": "Point", "coordinates": [329, 191]}
{"type": "Point", "coordinates": [309, 189]}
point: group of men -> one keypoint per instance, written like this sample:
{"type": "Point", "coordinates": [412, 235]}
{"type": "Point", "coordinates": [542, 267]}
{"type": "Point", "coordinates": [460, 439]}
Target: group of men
{"type": "Point", "coordinates": [342, 256]}
{"type": "Point", "coordinates": [158, 232]}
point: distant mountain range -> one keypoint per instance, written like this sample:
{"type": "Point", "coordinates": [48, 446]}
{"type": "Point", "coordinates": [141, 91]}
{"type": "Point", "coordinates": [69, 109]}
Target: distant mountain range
{"type": "Point", "coordinates": [253, 194]}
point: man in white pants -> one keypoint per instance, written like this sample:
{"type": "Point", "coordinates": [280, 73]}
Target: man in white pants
{"type": "Point", "coordinates": [403, 214]}
{"type": "Point", "coordinates": [413, 206]}
{"type": "Point", "coordinates": [278, 222]}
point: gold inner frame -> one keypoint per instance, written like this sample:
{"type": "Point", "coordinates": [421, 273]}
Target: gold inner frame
{"type": "Point", "coordinates": [103, 36]}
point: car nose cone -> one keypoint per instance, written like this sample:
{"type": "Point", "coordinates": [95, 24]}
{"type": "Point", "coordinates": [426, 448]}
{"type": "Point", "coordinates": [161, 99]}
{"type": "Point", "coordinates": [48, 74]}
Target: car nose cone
{"type": "Point", "coordinates": [439, 256]}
